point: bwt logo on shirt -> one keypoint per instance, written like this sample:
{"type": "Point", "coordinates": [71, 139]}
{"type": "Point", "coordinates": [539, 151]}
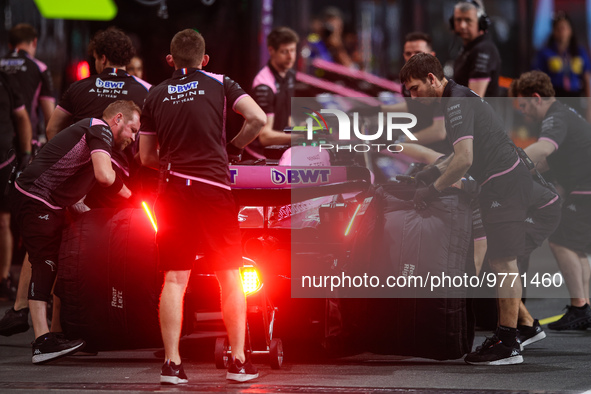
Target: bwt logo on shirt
{"type": "Point", "coordinates": [108, 84]}
{"type": "Point", "coordinates": [296, 176]}
{"type": "Point", "coordinates": [182, 88]}
{"type": "Point", "coordinates": [386, 123]}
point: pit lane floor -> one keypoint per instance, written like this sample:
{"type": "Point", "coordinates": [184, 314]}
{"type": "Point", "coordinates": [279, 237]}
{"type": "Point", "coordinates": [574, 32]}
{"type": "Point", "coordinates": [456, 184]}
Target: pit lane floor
{"type": "Point", "coordinates": [559, 363]}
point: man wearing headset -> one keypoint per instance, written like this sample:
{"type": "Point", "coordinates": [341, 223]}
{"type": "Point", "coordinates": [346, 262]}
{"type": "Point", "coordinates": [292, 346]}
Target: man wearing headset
{"type": "Point", "coordinates": [478, 64]}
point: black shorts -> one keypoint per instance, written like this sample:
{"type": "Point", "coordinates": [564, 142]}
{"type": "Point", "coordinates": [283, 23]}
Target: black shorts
{"type": "Point", "coordinates": [41, 230]}
{"type": "Point", "coordinates": [539, 224]}
{"type": "Point", "coordinates": [194, 219]}
{"type": "Point", "coordinates": [574, 230]}
{"type": "Point", "coordinates": [504, 201]}
{"type": "Point", "coordinates": [478, 232]}
{"type": "Point", "coordinates": [5, 173]}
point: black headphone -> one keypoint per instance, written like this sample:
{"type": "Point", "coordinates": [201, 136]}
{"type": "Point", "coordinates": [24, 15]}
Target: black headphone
{"type": "Point", "coordinates": [483, 21]}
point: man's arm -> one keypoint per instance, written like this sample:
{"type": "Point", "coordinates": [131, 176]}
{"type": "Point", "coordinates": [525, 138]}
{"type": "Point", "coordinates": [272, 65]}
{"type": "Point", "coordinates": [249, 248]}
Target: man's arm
{"type": "Point", "coordinates": [149, 151]}
{"type": "Point", "coordinates": [254, 120]}
{"type": "Point", "coordinates": [431, 134]}
{"type": "Point", "coordinates": [24, 129]}
{"type": "Point", "coordinates": [420, 153]}
{"type": "Point", "coordinates": [104, 173]}
{"type": "Point", "coordinates": [58, 121]}
{"type": "Point", "coordinates": [454, 168]}
{"type": "Point", "coordinates": [538, 152]}
{"type": "Point", "coordinates": [268, 136]}
{"type": "Point", "coordinates": [479, 86]}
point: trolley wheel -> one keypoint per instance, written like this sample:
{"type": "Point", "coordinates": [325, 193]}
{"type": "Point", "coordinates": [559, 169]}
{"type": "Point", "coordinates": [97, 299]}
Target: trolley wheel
{"type": "Point", "coordinates": [276, 353]}
{"type": "Point", "coordinates": [222, 359]}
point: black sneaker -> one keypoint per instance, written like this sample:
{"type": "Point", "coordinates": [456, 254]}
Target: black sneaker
{"type": "Point", "coordinates": [51, 346]}
{"type": "Point", "coordinates": [573, 319]}
{"type": "Point", "coordinates": [527, 335]}
{"type": "Point", "coordinates": [14, 322]}
{"type": "Point", "coordinates": [494, 352]}
{"type": "Point", "coordinates": [240, 372]}
{"type": "Point", "coordinates": [173, 374]}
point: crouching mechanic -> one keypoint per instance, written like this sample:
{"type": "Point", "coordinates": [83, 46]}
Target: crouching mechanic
{"type": "Point", "coordinates": [196, 202]}
{"type": "Point", "coordinates": [61, 174]}
{"type": "Point", "coordinates": [482, 148]}
{"type": "Point", "coordinates": [564, 146]}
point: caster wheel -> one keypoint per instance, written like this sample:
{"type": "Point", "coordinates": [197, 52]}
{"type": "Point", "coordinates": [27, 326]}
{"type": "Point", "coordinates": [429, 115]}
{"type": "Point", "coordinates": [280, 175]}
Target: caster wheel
{"type": "Point", "coordinates": [222, 353]}
{"type": "Point", "coordinates": [276, 353]}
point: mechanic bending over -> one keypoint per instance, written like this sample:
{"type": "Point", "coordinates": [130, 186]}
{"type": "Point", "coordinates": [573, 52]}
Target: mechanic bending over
{"type": "Point", "coordinates": [195, 201]}
{"type": "Point", "coordinates": [482, 148]}
{"type": "Point", "coordinates": [564, 146]}
{"type": "Point", "coordinates": [62, 173]}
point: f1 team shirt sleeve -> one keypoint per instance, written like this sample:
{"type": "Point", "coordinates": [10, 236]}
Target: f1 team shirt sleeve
{"type": "Point", "coordinates": [67, 101]}
{"type": "Point", "coordinates": [14, 91]}
{"type": "Point", "coordinates": [99, 137]}
{"type": "Point", "coordinates": [459, 119]}
{"type": "Point", "coordinates": [233, 92]}
{"type": "Point", "coordinates": [147, 125]}
{"type": "Point", "coordinates": [483, 63]}
{"type": "Point", "coordinates": [554, 129]}
{"type": "Point", "coordinates": [265, 98]}
{"type": "Point", "coordinates": [46, 86]}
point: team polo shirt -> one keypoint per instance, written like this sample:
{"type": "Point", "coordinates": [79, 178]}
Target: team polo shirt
{"type": "Point", "coordinates": [570, 134]}
{"type": "Point", "coordinates": [479, 60]}
{"type": "Point", "coordinates": [273, 94]}
{"type": "Point", "coordinates": [34, 79]}
{"type": "Point", "coordinates": [467, 115]}
{"type": "Point", "coordinates": [89, 97]}
{"type": "Point", "coordinates": [62, 172]}
{"type": "Point", "coordinates": [10, 101]}
{"type": "Point", "coordinates": [187, 114]}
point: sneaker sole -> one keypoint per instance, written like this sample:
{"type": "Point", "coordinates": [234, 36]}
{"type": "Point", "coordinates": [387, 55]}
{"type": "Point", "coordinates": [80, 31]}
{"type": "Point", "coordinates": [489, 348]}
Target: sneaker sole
{"type": "Point", "coordinates": [581, 324]}
{"type": "Point", "coordinates": [506, 361]}
{"type": "Point", "coordinates": [172, 380]}
{"type": "Point", "coordinates": [538, 337]}
{"type": "Point", "coordinates": [240, 377]}
{"type": "Point", "coordinates": [43, 358]}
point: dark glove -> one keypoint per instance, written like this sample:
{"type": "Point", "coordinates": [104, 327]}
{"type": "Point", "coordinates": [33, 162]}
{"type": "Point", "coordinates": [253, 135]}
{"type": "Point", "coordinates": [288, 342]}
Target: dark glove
{"type": "Point", "coordinates": [23, 161]}
{"type": "Point", "coordinates": [408, 179]}
{"type": "Point", "coordinates": [234, 153]}
{"type": "Point", "coordinates": [428, 175]}
{"type": "Point", "coordinates": [424, 195]}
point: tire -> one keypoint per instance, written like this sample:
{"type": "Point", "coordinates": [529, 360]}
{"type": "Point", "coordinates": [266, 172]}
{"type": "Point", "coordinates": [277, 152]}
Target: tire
{"type": "Point", "coordinates": [222, 359]}
{"type": "Point", "coordinates": [276, 353]}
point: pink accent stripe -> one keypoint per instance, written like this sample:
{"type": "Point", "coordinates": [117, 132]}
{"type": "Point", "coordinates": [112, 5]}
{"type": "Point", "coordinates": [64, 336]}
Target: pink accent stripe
{"type": "Point", "coordinates": [551, 202]}
{"type": "Point", "coordinates": [63, 110]}
{"type": "Point", "coordinates": [48, 98]}
{"type": "Point", "coordinates": [193, 178]}
{"type": "Point", "coordinates": [478, 80]}
{"type": "Point", "coordinates": [7, 162]}
{"type": "Point", "coordinates": [120, 167]}
{"type": "Point", "coordinates": [19, 108]}
{"type": "Point", "coordinates": [142, 82]}
{"type": "Point", "coordinates": [438, 117]}
{"type": "Point", "coordinates": [581, 192]}
{"type": "Point", "coordinates": [217, 77]}
{"type": "Point", "coordinates": [253, 153]}
{"type": "Point", "coordinates": [238, 99]}
{"type": "Point", "coordinates": [549, 140]}
{"type": "Point", "coordinates": [337, 89]}
{"type": "Point", "coordinates": [265, 77]}
{"type": "Point", "coordinates": [479, 239]}
{"type": "Point", "coordinates": [42, 66]}
{"type": "Point", "coordinates": [97, 122]}
{"type": "Point", "coordinates": [100, 151]}
{"type": "Point", "coordinates": [464, 138]}
{"type": "Point", "coordinates": [34, 197]}
{"type": "Point", "coordinates": [357, 74]}
{"type": "Point", "coordinates": [144, 132]}
{"type": "Point", "coordinates": [502, 173]}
